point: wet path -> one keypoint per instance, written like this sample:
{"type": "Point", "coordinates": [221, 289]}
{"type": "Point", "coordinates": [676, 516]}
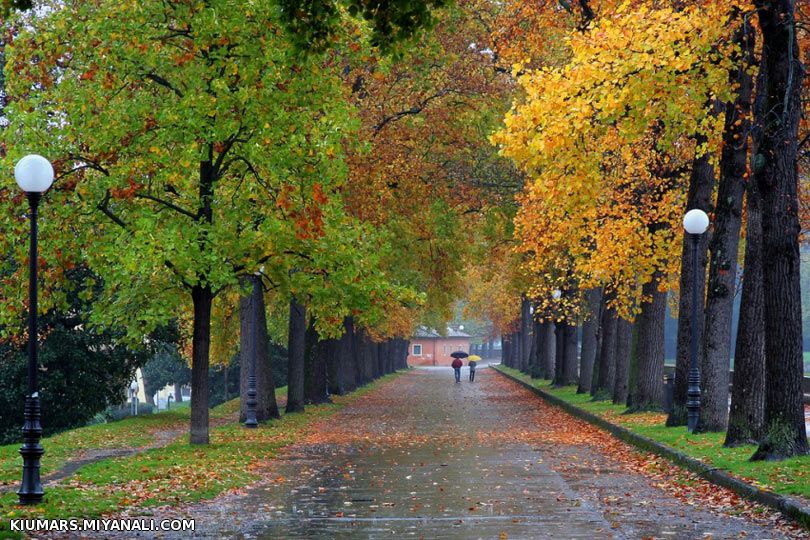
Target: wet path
{"type": "Point", "coordinates": [422, 457]}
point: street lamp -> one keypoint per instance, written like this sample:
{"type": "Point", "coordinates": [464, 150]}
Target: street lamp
{"type": "Point", "coordinates": [695, 222]}
{"type": "Point", "coordinates": [34, 175]}
{"type": "Point", "coordinates": [133, 387]}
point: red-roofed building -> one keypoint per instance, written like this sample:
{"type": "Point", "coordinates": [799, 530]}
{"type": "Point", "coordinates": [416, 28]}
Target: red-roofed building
{"type": "Point", "coordinates": [429, 348]}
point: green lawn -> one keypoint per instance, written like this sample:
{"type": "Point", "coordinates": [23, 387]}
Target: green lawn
{"type": "Point", "coordinates": [789, 477]}
{"type": "Point", "coordinates": [178, 472]}
{"type": "Point", "coordinates": [127, 433]}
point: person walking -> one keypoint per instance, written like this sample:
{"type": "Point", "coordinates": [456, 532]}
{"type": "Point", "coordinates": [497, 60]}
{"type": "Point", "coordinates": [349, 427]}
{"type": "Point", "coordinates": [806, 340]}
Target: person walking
{"type": "Point", "coordinates": [457, 363]}
{"type": "Point", "coordinates": [471, 364]}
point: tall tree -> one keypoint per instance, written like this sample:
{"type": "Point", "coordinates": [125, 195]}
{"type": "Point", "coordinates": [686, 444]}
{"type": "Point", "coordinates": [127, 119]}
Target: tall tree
{"type": "Point", "coordinates": [171, 174]}
{"type": "Point", "coordinates": [253, 348]}
{"type": "Point", "coordinates": [724, 243]}
{"type": "Point", "coordinates": [648, 392]}
{"type": "Point", "coordinates": [775, 171]}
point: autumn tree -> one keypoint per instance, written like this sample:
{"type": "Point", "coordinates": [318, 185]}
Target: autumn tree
{"type": "Point", "coordinates": [169, 168]}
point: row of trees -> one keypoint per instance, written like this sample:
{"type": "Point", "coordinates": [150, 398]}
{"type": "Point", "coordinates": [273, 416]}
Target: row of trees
{"type": "Point", "coordinates": [278, 171]}
{"type": "Point", "coordinates": [650, 110]}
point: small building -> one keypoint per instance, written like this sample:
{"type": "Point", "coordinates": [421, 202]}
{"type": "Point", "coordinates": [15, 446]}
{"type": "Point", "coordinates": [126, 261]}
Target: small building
{"type": "Point", "coordinates": [429, 348]}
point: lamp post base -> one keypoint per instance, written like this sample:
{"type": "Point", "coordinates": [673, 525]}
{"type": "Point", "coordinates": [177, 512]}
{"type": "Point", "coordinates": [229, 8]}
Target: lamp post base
{"type": "Point", "coordinates": [250, 421]}
{"type": "Point", "coordinates": [30, 491]}
{"type": "Point", "coordinates": [693, 400]}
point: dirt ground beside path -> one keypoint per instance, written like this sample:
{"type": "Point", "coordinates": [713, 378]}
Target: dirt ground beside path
{"type": "Point", "coordinates": [423, 457]}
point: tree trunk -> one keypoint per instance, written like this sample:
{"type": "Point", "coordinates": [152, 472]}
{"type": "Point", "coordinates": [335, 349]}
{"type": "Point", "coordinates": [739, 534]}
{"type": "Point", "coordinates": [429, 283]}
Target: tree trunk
{"type": "Point", "coordinates": [648, 393]}
{"type": "Point", "coordinates": [701, 187]}
{"type": "Point", "coordinates": [178, 393]}
{"type": "Point", "coordinates": [334, 365]}
{"type": "Point", "coordinates": [624, 339]}
{"type": "Point", "coordinates": [775, 171]}
{"type": "Point", "coordinates": [590, 330]}
{"type": "Point", "coordinates": [505, 344]}
{"type": "Point", "coordinates": [359, 351]}
{"type": "Point", "coordinates": [253, 345]}
{"type": "Point", "coordinates": [539, 349]}
{"type": "Point", "coordinates": [296, 350]}
{"type": "Point", "coordinates": [725, 242]}
{"type": "Point", "coordinates": [606, 376]}
{"type": "Point", "coordinates": [746, 416]}
{"type": "Point", "coordinates": [369, 357]}
{"type": "Point", "coordinates": [559, 353]}
{"type": "Point", "coordinates": [315, 386]}
{"type": "Point", "coordinates": [202, 297]}
{"type": "Point", "coordinates": [570, 365]}
{"type": "Point", "coordinates": [346, 352]}
{"type": "Point", "coordinates": [525, 334]}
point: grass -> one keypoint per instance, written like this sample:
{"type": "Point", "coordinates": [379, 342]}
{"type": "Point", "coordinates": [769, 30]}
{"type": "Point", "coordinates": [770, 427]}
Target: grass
{"type": "Point", "coordinates": [788, 477]}
{"type": "Point", "coordinates": [130, 432]}
{"type": "Point", "coordinates": [175, 473]}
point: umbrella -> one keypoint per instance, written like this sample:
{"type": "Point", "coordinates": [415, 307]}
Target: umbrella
{"type": "Point", "coordinates": [474, 358]}
{"type": "Point", "coordinates": [459, 354]}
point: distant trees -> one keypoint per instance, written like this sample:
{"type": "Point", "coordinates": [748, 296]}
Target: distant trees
{"type": "Point", "coordinates": [82, 371]}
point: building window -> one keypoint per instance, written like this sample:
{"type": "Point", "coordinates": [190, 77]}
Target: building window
{"type": "Point", "coordinates": [417, 350]}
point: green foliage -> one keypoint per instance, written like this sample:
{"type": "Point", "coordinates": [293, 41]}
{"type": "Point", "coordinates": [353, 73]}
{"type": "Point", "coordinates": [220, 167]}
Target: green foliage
{"type": "Point", "coordinates": [314, 22]}
{"type": "Point", "coordinates": [81, 371]}
{"type": "Point", "coordinates": [190, 142]}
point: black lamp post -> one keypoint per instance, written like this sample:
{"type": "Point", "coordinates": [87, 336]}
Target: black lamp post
{"type": "Point", "coordinates": [695, 222]}
{"type": "Point", "coordinates": [250, 415]}
{"type": "Point", "coordinates": [34, 174]}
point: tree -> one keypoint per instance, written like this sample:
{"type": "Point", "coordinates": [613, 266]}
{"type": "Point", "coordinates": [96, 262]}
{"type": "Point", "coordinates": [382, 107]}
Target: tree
{"type": "Point", "coordinates": [775, 172]}
{"type": "Point", "coordinates": [254, 347]}
{"type": "Point", "coordinates": [724, 243]}
{"type": "Point", "coordinates": [168, 167]}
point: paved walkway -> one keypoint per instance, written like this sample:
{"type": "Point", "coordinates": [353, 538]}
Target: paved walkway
{"type": "Point", "coordinates": [422, 457]}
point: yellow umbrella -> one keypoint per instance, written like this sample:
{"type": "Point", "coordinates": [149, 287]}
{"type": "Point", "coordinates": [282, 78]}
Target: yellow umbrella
{"type": "Point", "coordinates": [474, 358]}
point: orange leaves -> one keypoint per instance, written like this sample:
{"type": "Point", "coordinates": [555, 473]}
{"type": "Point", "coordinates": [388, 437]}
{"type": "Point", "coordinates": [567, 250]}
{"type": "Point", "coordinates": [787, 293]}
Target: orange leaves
{"type": "Point", "coordinates": [606, 142]}
{"type": "Point", "coordinates": [318, 195]}
{"type": "Point", "coordinates": [126, 192]}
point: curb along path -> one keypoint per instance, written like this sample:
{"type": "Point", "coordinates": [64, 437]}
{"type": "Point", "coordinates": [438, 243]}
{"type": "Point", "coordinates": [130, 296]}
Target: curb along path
{"type": "Point", "coordinates": [788, 506]}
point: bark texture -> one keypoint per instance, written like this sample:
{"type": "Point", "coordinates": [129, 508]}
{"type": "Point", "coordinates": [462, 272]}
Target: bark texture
{"type": "Point", "coordinates": [570, 366]}
{"type": "Point", "coordinates": [296, 350]}
{"type": "Point", "coordinates": [624, 339]}
{"type": "Point", "coordinates": [202, 298]}
{"type": "Point", "coordinates": [648, 393]}
{"type": "Point", "coordinates": [725, 242]}
{"type": "Point", "coordinates": [606, 371]}
{"type": "Point", "coordinates": [590, 330]}
{"type": "Point", "coordinates": [253, 346]}
{"type": "Point", "coordinates": [550, 350]}
{"type": "Point", "coordinates": [775, 171]}
{"type": "Point", "coordinates": [315, 379]}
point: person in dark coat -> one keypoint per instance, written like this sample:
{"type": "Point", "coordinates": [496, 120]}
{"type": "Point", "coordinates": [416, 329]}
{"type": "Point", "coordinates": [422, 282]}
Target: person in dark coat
{"type": "Point", "coordinates": [457, 363]}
